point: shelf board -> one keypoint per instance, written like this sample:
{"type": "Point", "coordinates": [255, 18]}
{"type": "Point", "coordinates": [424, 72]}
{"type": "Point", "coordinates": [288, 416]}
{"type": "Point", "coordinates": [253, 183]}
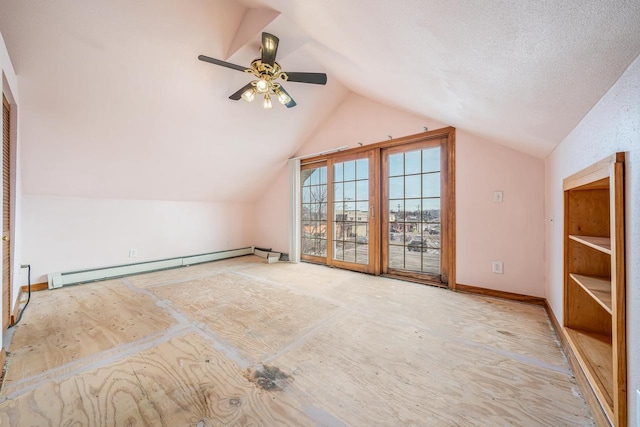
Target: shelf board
{"type": "Point", "coordinates": [602, 244]}
{"type": "Point", "coordinates": [595, 355]}
{"type": "Point", "coordinates": [598, 287]}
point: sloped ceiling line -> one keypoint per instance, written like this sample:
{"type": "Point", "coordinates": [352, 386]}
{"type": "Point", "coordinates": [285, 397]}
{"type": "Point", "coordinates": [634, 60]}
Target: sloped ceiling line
{"type": "Point", "coordinates": [253, 22]}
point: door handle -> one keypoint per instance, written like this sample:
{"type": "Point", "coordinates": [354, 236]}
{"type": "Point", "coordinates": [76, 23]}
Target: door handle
{"type": "Point", "coordinates": [5, 238]}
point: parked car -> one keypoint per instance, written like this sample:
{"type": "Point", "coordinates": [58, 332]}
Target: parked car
{"type": "Point", "coordinates": [417, 245]}
{"type": "Point", "coordinates": [362, 239]}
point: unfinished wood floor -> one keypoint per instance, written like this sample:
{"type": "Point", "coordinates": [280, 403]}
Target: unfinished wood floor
{"type": "Point", "coordinates": [242, 342]}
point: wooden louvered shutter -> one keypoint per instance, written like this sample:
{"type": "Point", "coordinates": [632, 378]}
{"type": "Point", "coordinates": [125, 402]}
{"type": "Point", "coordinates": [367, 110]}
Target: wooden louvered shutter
{"type": "Point", "coordinates": [6, 212]}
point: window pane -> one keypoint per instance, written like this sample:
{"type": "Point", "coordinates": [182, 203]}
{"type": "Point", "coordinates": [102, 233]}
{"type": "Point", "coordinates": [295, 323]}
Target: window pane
{"type": "Point", "coordinates": [362, 190]}
{"type": "Point", "coordinates": [362, 211]}
{"type": "Point", "coordinates": [315, 177]}
{"type": "Point", "coordinates": [362, 233]}
{"type": "Point", "coordinates": [431, 210]}
{"type": "Point", "coordinates": [431, 160]}
{"type": "Point", "coordinates": [362, 253]}
{"type": "Point", "coordinates": [431, 261]}
{"type": "Point", "coordinates": [322, 229]}
{"type": "Point", "coordinates": [431, 185]}
{"type": "Point", "coordinates": [338, 212]}
{"type": "Point", "coordinates": [412, 162]}
{"type": "Point", "coordinates": [338, 192]}
{"type": "Point", "coordinates": [396, 257]}
{"type": "Point", "coordinates": [396, 209]}
{"type": "Point", "coordinates": [349, 191]}
{"type": "Point", "coordinates": [412, 210]}
{"type": "Point", "coordinates": [318, 194]}
{"type": "Point", "coordinates": [349, 171]}
{"type": "Point", "coordinates": [350, 230]}
{"type": "Point", "coordinates": [306, 177]}
{"type": "Point", "coordinates": [323, 175]}
{"type": "Point", "coordinates": [362, 169]}
{"type": "Point", "coordinates": [350, 251]}
{"type": "Point", "coordinates": [338, 172]}
{"type": "Point", "coordinates": [338, 250]}
{"type": "Point", "coordinates": [412, 186]}
{"type": "Point", "coordinates": [413, 259]}
{"type": "Point", "coordinates": [396, 164]}
{"type": "Point", "coordinates": [396, 188]}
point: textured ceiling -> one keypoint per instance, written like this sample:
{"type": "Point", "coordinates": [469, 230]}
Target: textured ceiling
{"type": "Point", "coordinates": [115, 104]}
{"type": "Point", "coordinates": [522, 73]}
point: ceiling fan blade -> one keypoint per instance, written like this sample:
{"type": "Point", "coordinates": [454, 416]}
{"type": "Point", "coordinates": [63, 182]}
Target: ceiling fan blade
{"type": "Point", "coordinates": [291, 103]}
{"type": "Point", "coordinates": [236, 96]}
{"type": "Point", "coordinates": [221, 63]}
{"type": "Point", "coordinates": [314, 78]}
{"type": "Point", "coordinates": [269, 48]}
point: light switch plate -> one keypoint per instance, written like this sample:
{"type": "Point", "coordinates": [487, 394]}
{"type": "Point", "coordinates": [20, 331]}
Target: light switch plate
{"type": "Point", "coordinates": [497, 267]}
{"type": "Point", "coordinates": [497, 197]}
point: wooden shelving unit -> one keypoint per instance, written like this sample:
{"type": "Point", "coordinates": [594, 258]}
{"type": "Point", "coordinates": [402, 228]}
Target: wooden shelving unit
{"type": "Point", "coordinates": [594, 289]}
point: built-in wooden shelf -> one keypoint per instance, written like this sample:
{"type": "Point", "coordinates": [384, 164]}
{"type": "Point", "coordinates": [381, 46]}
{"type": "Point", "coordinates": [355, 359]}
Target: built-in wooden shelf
{"type": "Point", "coordinates": [602, 244]}
{"type": "Point", "coordinates": [594, 354]}
{"type": "Point", "coordinates": [594, 286]}
{"type": "Point", "coordinates": [598, 287]}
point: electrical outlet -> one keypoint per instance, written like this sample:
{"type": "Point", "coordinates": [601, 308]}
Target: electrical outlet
{"type": "Point", "coordinates": [496, 267]}
{"type": "Point", "coordinates": [497, 197]}
{"type": "Point", "coordinates": [133, 253]}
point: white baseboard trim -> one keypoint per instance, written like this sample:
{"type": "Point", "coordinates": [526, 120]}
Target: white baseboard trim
{"type": "Point", "coordinates": [58, 280]}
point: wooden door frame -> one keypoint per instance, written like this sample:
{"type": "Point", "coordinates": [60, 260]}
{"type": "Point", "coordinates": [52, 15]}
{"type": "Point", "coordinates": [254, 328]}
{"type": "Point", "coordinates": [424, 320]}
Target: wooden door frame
{"type": "Point", "coordinates": [448, 256]}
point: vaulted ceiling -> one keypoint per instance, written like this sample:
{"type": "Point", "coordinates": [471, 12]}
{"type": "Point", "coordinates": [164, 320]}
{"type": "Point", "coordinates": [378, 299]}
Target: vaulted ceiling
{"type": "Point", "coordinates": [115, 104]}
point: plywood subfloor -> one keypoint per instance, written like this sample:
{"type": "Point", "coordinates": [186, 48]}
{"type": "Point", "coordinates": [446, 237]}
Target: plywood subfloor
{"type": "Point", "coordinates": [242, 342]}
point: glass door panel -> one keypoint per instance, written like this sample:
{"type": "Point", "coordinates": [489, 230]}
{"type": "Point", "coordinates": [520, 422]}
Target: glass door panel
{"type": "Point", "coordinates": [314, 212]}
{"type": "Point", "coordinates": [413, 211]}
{"type": "Point", "coordinates": [351, 207]}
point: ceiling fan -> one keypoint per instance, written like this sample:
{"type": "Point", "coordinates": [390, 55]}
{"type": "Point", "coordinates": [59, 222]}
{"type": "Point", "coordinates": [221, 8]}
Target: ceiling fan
{"type": "Point", "coordinates": [267, 71]}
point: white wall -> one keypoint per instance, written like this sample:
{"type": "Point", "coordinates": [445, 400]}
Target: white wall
{"type": "Point", "coordinates": [10, 90]}
{"type": "Point", "coordinates": [512, 231]}
{"type": "Point", "coordinates": [69, 233]}
{"type": "Point", "coordinates": [612, 125]}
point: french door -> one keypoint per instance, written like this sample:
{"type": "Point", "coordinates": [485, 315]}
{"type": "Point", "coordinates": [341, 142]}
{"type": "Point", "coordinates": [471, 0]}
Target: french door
{"type": "Point", "coordinates": [353, 221]}
{"type": "Point", "coordinates": [384, 209]}
{"type": "Point", "coordinates": [412, 223]}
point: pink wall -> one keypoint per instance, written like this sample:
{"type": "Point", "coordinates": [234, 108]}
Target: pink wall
{"type": "Point", "coordinates": [512, 232]}
{"type": "Point", "coordinates": [612, 125]}
{"type": "Point", "coordinates": [68, 233]}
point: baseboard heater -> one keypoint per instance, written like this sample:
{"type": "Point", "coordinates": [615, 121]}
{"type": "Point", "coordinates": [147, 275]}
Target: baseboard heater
{"type": "Point", "coordinates": [58, 280]}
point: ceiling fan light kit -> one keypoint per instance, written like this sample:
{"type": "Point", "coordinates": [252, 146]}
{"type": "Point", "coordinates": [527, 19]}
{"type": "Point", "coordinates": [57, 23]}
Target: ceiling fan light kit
{"type": "Point", "coordinates": [267, 70]}
{"type": "Point", "coordinates": [267, 101]}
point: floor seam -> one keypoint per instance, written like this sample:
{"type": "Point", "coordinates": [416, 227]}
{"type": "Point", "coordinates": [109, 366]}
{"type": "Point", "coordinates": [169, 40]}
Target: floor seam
{"type": "Point", "coordinates": [309, 333]}
{"type": "Point", "coordinates": [92, 362]}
